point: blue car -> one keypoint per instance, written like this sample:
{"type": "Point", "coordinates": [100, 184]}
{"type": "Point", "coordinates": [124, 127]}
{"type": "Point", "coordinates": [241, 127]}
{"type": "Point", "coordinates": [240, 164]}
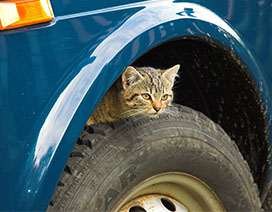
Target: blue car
{"type": "Point", "coordinates": [211, 152]}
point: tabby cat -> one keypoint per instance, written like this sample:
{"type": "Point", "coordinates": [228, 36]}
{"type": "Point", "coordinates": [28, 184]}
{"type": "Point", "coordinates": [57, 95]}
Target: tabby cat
{"type": "Point", "coordinates": [139, 91]}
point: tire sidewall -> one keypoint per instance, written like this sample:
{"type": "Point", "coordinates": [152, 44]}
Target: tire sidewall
{"type": "Point", "coordinates": [134, 154]}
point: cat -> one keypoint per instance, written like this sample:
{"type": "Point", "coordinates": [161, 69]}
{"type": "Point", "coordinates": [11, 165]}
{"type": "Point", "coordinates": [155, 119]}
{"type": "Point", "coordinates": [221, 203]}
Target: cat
{"type": "Point", "coordinates": [139, 91]}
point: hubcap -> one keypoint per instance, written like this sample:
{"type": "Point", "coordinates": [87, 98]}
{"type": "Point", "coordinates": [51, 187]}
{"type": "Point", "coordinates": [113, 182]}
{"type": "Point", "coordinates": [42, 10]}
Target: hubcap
{"type": "Point", "coordinates": [154, 203]}
{"type": "Point", "coordinates": [168, 192]}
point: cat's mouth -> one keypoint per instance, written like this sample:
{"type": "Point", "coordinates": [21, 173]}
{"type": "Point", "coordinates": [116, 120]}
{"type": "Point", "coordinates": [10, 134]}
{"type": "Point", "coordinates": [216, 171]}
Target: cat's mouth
{"type": "Point", "coordinates": [153, 115]}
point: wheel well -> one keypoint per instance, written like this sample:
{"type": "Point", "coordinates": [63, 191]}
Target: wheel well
{"type": "Point", "coordinates": [214, 81]}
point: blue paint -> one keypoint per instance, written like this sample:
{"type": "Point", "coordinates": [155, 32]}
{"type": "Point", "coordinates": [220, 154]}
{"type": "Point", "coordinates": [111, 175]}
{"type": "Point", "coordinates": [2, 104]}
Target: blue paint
{"type": "Point", "coordinates": [52, 76]}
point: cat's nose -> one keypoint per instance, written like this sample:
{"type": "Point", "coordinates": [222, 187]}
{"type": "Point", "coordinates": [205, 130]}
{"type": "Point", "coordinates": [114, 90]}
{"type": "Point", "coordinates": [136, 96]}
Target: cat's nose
{"type": "Point", "coordinates": [157, 106]}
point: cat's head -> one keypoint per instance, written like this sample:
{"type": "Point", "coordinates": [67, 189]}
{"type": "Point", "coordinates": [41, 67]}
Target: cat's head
{"type": "Point", "coordinates": [148, 91]}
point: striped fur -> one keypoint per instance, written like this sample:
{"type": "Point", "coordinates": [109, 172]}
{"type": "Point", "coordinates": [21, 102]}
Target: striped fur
{"type": "Point", "coordinates": [140, 91]}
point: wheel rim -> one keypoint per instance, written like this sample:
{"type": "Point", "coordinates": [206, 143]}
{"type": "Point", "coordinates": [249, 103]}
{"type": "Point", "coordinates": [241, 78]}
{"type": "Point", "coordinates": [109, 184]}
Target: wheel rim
{"type": "Point", "coordinates": [171, 191]}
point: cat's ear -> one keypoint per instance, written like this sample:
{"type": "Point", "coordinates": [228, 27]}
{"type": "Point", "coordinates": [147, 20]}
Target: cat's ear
{"type": "Point", "coordinates": [130, 76]}
{"type": "Point", "coordinates": [171, 73]}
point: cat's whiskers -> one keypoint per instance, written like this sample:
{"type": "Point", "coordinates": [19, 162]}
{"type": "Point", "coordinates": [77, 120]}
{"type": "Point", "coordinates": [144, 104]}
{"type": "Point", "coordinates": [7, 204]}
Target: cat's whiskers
{"type": "Point", "coordinates": [132, 112]}
{"type": "Point", "coordinates": [142, 91]}
{"type": "Point", "coordinates": [169, 112]}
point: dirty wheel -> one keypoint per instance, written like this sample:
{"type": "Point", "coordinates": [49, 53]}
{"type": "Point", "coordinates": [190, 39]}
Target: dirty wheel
{"type": "Point", "coordinates": [181, 161]}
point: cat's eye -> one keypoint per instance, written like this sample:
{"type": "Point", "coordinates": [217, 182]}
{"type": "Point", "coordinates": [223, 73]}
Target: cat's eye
{"type": "Point", "coordinates": [164, 97]}
{"type": "Point", "coordinates": [146, 96]}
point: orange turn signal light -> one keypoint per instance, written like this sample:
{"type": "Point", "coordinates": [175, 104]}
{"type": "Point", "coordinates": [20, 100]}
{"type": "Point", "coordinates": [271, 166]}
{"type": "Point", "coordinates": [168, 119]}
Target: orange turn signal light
{"type": "Point", "coordinates": [18, 13]}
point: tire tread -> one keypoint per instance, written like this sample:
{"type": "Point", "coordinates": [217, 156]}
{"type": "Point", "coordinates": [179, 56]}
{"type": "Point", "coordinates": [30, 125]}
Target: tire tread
{"type": "Point", "coordinates": [88, 142]}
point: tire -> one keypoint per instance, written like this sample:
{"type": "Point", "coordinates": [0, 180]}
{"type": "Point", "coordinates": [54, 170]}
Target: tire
{"type": "Point", "coordinates": [110, 160]}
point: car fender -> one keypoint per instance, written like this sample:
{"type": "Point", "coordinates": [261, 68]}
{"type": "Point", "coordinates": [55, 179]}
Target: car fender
{"type": "Point", "coordinates": [152, 24]}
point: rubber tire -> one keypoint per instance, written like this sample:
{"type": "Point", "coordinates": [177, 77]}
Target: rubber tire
{"type": "Point", "coordinates": [110, 159]}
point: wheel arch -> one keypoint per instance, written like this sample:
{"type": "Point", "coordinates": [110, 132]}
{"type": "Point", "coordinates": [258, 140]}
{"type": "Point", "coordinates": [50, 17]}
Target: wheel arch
{"type": "Point", "coordinates": [96, 72]}
{"type": "Point", "coordinates": [216, 82]}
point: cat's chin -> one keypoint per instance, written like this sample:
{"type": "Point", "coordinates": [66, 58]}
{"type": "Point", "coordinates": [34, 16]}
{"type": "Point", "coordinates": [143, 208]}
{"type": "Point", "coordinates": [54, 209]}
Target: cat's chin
{"type": "Point", "coordinates": [153, 115]}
